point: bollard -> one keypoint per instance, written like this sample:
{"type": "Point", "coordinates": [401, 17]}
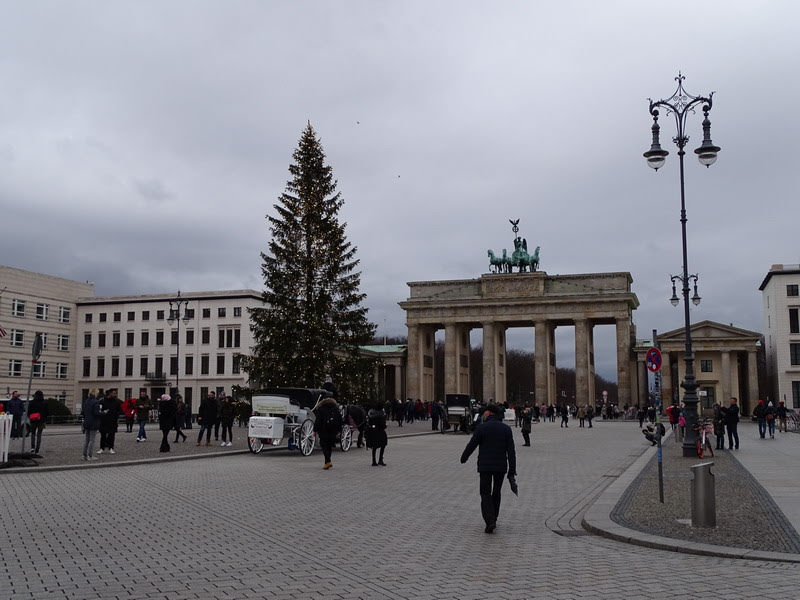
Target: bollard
{"type": "Point", "coordinates": [704, 502]}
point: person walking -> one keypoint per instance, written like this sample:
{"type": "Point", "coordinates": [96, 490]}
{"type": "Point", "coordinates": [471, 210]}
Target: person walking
{"type": "Point", "coordinates": [496, 457]}
{"type": "Point", "coordinates": [109, 421]}
{"type": "Point", "coordinates": [142, 416]}
{"type": "Point", "coordinates": [92, 409]}
{"type": "Point", "coordinates": [525, 420]}
{"type": "Point", "coordinates": [206, 416]}
{"type": "Point", "coordinates": [180, 418]}
{"type": "Point", "coordinates": [719, 425]}
{"type": "Point", "coordinates": [37, 415]}
{"type": "Point", "coordinates": [226, 413]}
{"type": "Point", "coordinates": [217, 418]}
{"type": "Point", "coordinates": [770, 416]}
{"type": "Point", "coordinates": [16, 408]}
{"type": "Point", "coordinates": [376, 434]}
{"type": "Point", "coordinates": [640, 414]}
{"type": "Point", "coordinates": [731, 413]}
{"type": "Point", "coordinates": [760, 413]}
{"type": "Point", "coordinates": [434, 416]}
{"type": "Point", "coordinates": [129, 410]}
{"type": "Point", "coordinates": [565, 416]}
{"type": "Point", "coordinates": [399, 412]}
{"type": "Point", "coordinates": [327, 424]}
{"type": "Point", "coordinates": [167, 409]}
{"type": "Point", "coordinates": [780, 412]}
{"type": "Point", "coordinates": [582, 416]}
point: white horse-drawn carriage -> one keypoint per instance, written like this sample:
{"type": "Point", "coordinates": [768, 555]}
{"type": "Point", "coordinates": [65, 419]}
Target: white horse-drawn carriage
{"type": "Point", "coordinates": [287, 414]}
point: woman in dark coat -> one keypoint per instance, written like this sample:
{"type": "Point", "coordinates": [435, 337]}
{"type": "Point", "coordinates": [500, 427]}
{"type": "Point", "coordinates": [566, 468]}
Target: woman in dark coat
{"type": "Point", "coordinates": [376, 434]}
{"type": "Point", "coordinates": [109, 421]}
{"type": "Point", "coordinates": [327, 424]}
{"type": "Point", "coordinates": [166, 419]}
{"type": "Point", "coordinates": [37, 415]}
{"type": "Point", "coordinates": [92, 409]}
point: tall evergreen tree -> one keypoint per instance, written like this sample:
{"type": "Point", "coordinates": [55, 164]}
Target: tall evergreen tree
{"type": "Point", "coordinates": [313, 321]}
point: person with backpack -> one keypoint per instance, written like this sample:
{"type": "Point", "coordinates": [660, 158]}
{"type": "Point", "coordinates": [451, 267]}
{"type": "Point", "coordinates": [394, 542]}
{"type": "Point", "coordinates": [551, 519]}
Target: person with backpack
{"type": "Point", "coordinates": [376, 434]}
{"type": "Point", "coordinates": [327, 424]}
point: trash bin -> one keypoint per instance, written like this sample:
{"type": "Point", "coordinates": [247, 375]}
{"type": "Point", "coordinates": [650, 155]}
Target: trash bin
{"type": "Point", "coordinates": [704, 502]}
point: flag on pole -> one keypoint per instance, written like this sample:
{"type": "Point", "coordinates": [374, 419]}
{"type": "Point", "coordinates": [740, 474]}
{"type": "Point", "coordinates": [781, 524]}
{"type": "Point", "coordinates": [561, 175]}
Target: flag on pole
{"type": "Point", "coordinates": [3, 333]}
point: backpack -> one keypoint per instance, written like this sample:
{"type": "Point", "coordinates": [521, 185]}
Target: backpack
{"type": "Point", "coordinates": [332, 422]}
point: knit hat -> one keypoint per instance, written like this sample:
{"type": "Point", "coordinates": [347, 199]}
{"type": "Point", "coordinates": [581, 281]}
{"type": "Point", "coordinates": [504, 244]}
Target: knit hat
{"type": "Point", "coordinates": [165, 398]}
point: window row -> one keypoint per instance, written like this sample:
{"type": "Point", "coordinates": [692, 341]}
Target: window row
{"type": "Point", "coordinates": [39, 369]}
{"type": "Point", "coordinates": [124, 366]}
{"type": "Point", "coordinates": [228, 338]}
{"type": "Point", "coordinates": [130, 315]}
{"type": "Point", "coordinates": [17, 340]}
{"type": "Point", "coordinates": [42, 311]}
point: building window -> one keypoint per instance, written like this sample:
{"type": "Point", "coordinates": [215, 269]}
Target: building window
{"type": "Point", "coordinates": [102, 317]}
{"type": "Point", "coordinates": [174, 337]}
{"type": "Point", "coordinates": [115, 366]}
{"type": "Point", "coordinates": [237, 311]}
{"type": "Point", "coordinates": [87, 318]}
{"type": "Point", "coordinates": [41, 311]}
{"type": "Point", "coordinates": [205, 336]}
{"type": "Point", "coordinates": [117, 317]}
{"type": "Point", "coordinates": [128, 369]}
{"type": "Point", "coordinates": [204, 364]}
{"type": "Point", "coordinates": [706, 366]}
{"type": "Point", "coordinates": [189, 313]}
{"type": "Point", "coordinates": [17, 308]}
{"type": "Point", "coordinates": [87, 340]}
{"type": "Point", "coordinates": [794, 323]}
{"type": "Point", "coordinates": [129, 338]}
{"type": "Point", "coordinates": [236, 364]}
{"type": "Point", "coordinates": [143, 366]}
{"type": "Point", "coordinates": [44, 340]}
{"type": "Point", "coordinates": [101, 366]}
{"type": "Point", "coordinates": [229, 338]}
{"type": "Point", "coordinates": [17, 338]}
{"type": "Point", "coordinates": [128, 393]}
{"type": "Point", "coordinates": [61, 370]}
{"type": "Point", "coordinates": [145, 338]}
{"type": "Point", "coordinates": [796, 394]}
{"type": "Point", "coordinates": [206, 313]}
{"type": "Point", "coordinates": [115, 338]}
{"type": "Point", "coordinates": [63, 314]}
{"type": "Point", "coordinates": [63, 342]}
{"type": "Point", "coordinates": [87, 367]}
{"type": "Point", "coordinates": [131, 315]}
{"type": "Point", "coordinates": [159, 315]}
{"type": "Point", "coordinates": [145, 315]}
{"type": "Point", "coordinates": [221, 338]}
{"type": "Point", "coordinates": [173, 365]}
{"type": "Point", "coordinates": [794, 354]}
{"type": "Point", "coordinates": [220, 364]}
{"type": "Point", "coordinates": [160, 365]}
{"type": "Point", "coordinates": [792, 289]}
{"type": "Point", "coordinates": [189, 336]}
{"type": "Point", "coordinates": [14, 368]}
{"type": "Point", "coordinates": [221, 311]}
{"type": "Point", "coordinates": [237, 338]}
{"type": "Point", "coordinates": [40, 369]}
{"type": "Point", "coordinates": [189, 365]}
{"type": "Point", "coordinates": [159, 338]}
{"type": "Point", "coordinates": [101, 339]}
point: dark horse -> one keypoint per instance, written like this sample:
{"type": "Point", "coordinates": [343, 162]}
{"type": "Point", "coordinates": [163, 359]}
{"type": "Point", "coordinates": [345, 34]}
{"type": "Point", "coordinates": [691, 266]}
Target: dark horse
{"type": "Point", "coordinates": [355, 416]}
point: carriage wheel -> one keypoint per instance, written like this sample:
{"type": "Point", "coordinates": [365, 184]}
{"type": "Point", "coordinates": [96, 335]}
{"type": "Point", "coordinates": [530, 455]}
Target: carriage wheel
{"type": "Point", "coordinates": [346, 438]}
{"type": "Point", "coordinates": [307, 437]}
{"type": "Point", "coordinates": [256, 445]}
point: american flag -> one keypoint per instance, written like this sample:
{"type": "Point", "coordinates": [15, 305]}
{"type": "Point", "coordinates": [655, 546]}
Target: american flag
{"type": "Point", "coordinates": [3, 333]}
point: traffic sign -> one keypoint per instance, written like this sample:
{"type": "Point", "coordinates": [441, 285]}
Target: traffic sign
{"type": "Point", "coordinates": [653, 360]}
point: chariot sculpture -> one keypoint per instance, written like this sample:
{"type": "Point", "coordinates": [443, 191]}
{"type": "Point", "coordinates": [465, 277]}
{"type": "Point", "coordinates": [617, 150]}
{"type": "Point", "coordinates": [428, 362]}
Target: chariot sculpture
{"type": "Point", "coordinates": [519, 258]}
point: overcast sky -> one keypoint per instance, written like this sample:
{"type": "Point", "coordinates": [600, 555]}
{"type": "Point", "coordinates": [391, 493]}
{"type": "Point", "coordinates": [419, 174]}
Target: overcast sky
{"type": "Point", "coordinates": [143, 143]}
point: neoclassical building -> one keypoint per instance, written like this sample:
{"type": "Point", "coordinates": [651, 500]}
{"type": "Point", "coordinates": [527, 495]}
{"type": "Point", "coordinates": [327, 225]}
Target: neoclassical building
{"type": "Point", "coordinates": [496, 302]}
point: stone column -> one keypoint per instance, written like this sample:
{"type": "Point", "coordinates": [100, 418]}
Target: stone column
{"type": "Point", "coordinates": [428, 373]}
{"type": "Point", "coordinates": [642, 371]}
{"type": "Point", "coordinates": [462, 360]}
{"type": "Point", "coordinates": [414, 364]}
{"type": "Point", "coordinates": [666, 379]}
{"type": "Point", "coordinates": [488, 361]}
{"type": "Point", "coordinates": [582, 362]}
{"type": "Point", "coordinates": [623, 362]}
{"type": "Point", "coordinates": [544, 389]}
{"type": "Point", "coordinates": [725, 376]}
{"type": "Point", "coordinates": [451, 351]}
{"type": "Point", "coordinates": [500, 364]}
{"type": "Point", "coordinates": [752, 380]}
{"type": "Point", "coordinates": [398, 382]}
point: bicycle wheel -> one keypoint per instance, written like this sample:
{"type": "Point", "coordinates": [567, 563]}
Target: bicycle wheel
{"type": "Point", "coordinates": [699, 448]}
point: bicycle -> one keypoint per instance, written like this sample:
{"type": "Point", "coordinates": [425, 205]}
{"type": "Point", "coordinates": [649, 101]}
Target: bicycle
{"type": "Point", "coordinates": [704, 428]}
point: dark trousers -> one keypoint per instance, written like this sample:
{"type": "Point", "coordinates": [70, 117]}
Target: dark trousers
{"type": "Point", "coordinates": [380, 460]}
{"type": "Point", "coordinates": [733, 434]}
{"type": "Point", "coordinates": [16, 426]}
{"type": "Point", "coordinates": [128, 424]}
{"type": "Point", "coordinates": [526, 435]}
{"type": "Point", "coordinates": [327, 448]}
{"type": "Point", "coordinates": [227, 428]}
{"type": "Point", "coordinates": [204, 429]}
{"type": "Point", "coordinates": [107, 439]}
{"type": "Point", "coordinates": [164, 441]}
{"type": "Point", "coordinates": [36, 435]}
{"type": "Point", "coordinates": [178, 433]}
{"type": "Point", "coordinates": [216, 429]}
{"type": "Point", "coordinates": [491, 486]}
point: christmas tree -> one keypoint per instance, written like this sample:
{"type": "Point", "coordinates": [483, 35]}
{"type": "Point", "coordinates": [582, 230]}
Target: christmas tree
{"type": "Point", "coordinates": [313, 321]}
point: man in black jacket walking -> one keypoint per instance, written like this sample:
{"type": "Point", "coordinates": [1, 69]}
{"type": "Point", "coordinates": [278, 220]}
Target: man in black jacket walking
{"type": "Point", "coordinates": [496, 457]}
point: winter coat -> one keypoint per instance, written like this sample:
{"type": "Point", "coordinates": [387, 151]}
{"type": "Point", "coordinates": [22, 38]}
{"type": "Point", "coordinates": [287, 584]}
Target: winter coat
{"type": "Point", "coordinates": [526, 419]}
{"type": "Point", "coordinates": [760, 411]}
{"type": "Point", "coordinates": [91, 413]}
{"type": "Point", "coordinates": [226, 412]}
{"type": "Point", "coordinates": [328, 421]}
{"type": "Point", "coordinates": [143, 409]}
{"type": "Point", "coordinates": [38, 405]}
{"type": "Point", "coordinates": [166, 414]}
{"type": "Point", "coordinates": [208, 411]}
{"type": "Point", "coordinates": [495, 443]}
{"type": "Point", "coordinates": [109, 418]}
{"type": "Point", "coordinates": [16, 408]}
{"type": "Point", "coordinates": [731, 414]}
{"type": "Point", "coordinates": [376, 429]}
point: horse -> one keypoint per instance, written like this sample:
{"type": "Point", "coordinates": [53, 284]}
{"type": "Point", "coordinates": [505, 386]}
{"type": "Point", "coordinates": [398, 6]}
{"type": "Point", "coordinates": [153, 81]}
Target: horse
{"type": "Point", "coordinates": [535, 259]}
{"type": "Point", "coordinates": [497, 263]}
{"type": "Point", "coordinates": [355, 416]}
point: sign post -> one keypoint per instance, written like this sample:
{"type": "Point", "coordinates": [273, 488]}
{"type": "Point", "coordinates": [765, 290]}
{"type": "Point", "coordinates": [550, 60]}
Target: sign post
{"type": "Point", "coordinates": [653, 359]}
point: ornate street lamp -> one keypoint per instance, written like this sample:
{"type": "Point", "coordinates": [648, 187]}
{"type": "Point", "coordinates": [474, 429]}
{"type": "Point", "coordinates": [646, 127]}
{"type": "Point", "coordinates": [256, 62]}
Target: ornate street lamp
{"type": "Point", "coordinates": [175, 317]}
{"type": "Point", "coordinates": [680, 104]}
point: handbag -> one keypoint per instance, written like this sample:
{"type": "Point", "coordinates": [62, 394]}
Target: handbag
{"type": "Point", "coordinates": [35, 417]}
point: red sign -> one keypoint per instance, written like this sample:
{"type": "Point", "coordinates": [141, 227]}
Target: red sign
{"type": "Point", "coordinates": [653, 360]}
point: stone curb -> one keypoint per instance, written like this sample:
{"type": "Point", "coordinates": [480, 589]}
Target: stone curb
{"type": "Point", "coordinates": [159, 459]}
{"type": "Point", "coordinates": [597, 520]}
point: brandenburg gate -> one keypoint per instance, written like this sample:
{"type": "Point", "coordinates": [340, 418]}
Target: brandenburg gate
{"type": "Point", "coordinates": [497, 301]}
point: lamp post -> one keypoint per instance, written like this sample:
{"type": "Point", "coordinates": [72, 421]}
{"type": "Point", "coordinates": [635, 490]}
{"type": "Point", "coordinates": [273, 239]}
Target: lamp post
{"type": "Point", "coordinates": [680, 104]}
{"type": "Point", "coordinates": [175, 317]}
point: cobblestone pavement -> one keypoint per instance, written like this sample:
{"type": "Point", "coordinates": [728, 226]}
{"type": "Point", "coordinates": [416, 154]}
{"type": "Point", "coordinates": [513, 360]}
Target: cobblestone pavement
{"type": "Point", "coordinates": [277, 526]}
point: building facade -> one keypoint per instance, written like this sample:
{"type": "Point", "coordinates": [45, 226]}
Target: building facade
{"type": "Point", "coordinates": [32, 303]}
{"type": "Point", "coordinates": [780, 293]}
